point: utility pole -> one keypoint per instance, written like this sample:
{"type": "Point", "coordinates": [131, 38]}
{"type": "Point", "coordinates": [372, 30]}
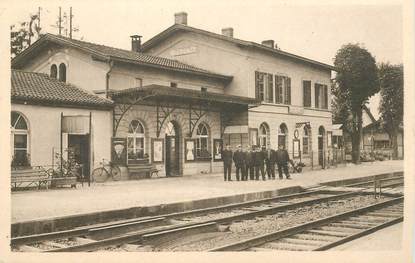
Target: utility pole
{"type": "Point", "coordinates": [38, 16]}
{"type": "Point", "coordinates": [70, 22]}
{"type": "Point", "coordinates": [60, 21]}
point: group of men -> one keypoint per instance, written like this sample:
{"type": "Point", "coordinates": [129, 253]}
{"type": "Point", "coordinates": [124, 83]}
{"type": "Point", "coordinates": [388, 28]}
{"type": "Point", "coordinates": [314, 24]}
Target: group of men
{"type": "Point", "coordinates": [253, 161]}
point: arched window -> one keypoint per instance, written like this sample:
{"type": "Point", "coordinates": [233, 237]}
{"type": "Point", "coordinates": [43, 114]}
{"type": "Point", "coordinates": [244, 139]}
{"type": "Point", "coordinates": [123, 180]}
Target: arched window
{"type": "Point", "coordinates": [306, 140]}
{"type": "Point", "coordinates": [263, 135]}
{"type": "Point", "coordinates": [283, 135]}
{"type": "Point", "coordinates": [53, 71]}
{"type": "Point", "coordinates": [202, 141]}
{"type": "Point", "coordinates": [62, 72]}
{"type": "Point", "coordinates": [135, 141]}
{"type": "Point", "coordinates": [19, 140]}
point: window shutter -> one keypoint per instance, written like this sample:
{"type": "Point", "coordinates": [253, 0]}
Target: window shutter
{"type": "Point", "coordinates": [317, 94]}
{"type": "Point", "coordinates": [256, 84]}
{"type": "Point", "coordinates": [287, 91]}
{"type": "Point", "coordinates": [325, 97]}
{"type": "Point", "coordinates": [270, 89]}
{"type": "Point", "coordinates": [307, 93]}
{"type": "Point", "coordinates": [278, 89]}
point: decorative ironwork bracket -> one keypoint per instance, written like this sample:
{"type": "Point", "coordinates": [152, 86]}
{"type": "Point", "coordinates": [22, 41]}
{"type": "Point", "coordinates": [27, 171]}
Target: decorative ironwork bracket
{"type": "Point", "coordinates": [195, 114]}
{"type": "Point", "coordinates": [163, 112]}
{"type": "Point", "coordinates": [120, 109]}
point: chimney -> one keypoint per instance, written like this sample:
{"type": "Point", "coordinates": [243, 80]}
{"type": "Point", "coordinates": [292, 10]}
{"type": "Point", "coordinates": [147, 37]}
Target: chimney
{"type": "Point", "coordinates": [180, 18]}
{"type": "Point", "coordinates": [268, 43]}
{"type": "Point", "coordinates": [227, 31]}
{"type": "Point", "coordinates": [136, 43]}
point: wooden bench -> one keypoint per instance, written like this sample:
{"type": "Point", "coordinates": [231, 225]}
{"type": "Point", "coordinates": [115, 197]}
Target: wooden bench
{"type": "Point", "coordinates": [148, 169]}
{"type": "Point", "coordinates": [36, 176]}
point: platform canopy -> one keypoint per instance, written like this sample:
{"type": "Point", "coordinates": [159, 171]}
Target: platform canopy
{"type": "Point", "coordinates": [182, 95]}
{"type": "Point", "coordinates": [236, 129]}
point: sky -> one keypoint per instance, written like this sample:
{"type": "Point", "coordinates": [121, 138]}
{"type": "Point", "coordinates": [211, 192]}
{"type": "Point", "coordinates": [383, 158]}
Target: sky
{"type": "Point", "coordinates": [313, 31]}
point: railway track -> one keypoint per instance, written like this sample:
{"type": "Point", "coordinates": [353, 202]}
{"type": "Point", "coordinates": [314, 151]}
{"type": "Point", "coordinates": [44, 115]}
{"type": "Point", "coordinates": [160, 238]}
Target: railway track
{"type": "Point", "coordinates": [146, 229]}
{"type": "Point", "coordinates": [142, 234]}
{"type": "Point", "coordinates": [323, 234]}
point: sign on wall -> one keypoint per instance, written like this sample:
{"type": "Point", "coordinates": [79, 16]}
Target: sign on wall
{"type": "Point", "coordinates": [119, 151]}
{"type": "Point", "coordinates": [217, 149]}
{"type": "Point", "coordinates": [157, 150]}
{"type": "Point", "coordinates": [296, 148]}
{"type": "Point", "coordinates": [253, 137]}
{"type": "Point", "coordinates": [190, 150]}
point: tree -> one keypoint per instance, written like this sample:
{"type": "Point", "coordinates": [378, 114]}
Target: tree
{"type": "Point", "coordinates": [391, 102]}
{"type": "Point", "coordinates": [356, 81]}
{"type": "Point", "coordinates": [21, 38]}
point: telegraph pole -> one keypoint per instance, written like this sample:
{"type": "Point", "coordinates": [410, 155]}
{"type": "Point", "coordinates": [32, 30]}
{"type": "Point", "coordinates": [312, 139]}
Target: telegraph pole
{"type": "Point", "coordinates": [70, 22]}
{"type": "Point", "coordinates": [38, 16]}
{"type": "Point", "coordinates": [60, 21]}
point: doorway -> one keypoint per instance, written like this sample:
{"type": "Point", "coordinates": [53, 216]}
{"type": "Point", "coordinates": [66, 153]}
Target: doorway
{"type": "Point", "coordinates": [81, 151]}
{"type": "Point", "coordinates": [172, 150]}
{"type": "Point", "coordinates": [321, 133]}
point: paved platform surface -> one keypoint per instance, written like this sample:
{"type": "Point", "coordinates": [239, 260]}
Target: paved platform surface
{"type": "Point", "coordinates": [30, 205]}
{"type": "Point", "coordinates": [389, 238]}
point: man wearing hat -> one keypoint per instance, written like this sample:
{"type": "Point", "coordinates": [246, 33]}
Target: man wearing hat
{"type": "Point", "coordinates": [259, 163]}
{"type": "Point", "coordinates": [270, 160]}
{"type": "Point", "coordinates": [227, 162]}
{"type": "Point", "coordinates": [249, 163]}
{"type": "Point", "coordinates": [238, 159]}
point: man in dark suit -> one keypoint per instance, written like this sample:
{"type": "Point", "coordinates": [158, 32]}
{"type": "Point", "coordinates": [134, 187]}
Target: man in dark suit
{"type": "Point", "coordinates": [238, 159]}
{"type": "Point", "coordinates": [227, 162]}
{"type": "Point", "coordinates": [249, 163]}
{"type": "Point", "coordinates": [270, 159]}
{"type": "Point", "coordinates": [282, 162]}
{"type": "Point", "coordinates": [259, 163]}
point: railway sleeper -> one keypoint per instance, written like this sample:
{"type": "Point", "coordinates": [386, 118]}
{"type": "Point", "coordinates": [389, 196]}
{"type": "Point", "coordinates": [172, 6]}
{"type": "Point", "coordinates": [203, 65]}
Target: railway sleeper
{"type": "Point", "coordinates": [359, 222]}
{"type": "Point", "coordinates": [26, 248]}
{"type": "Point", "coordinates": [300, 241]}
{"type": "Point", "coordinates": [316, 237]}
{"type": "Point", "coordinates": [340, 229]}
{"type": "Point", "coordinates": [327, 233]}
{"type": "Point", "coordinates": [280, 245]}
{"type": "Point", "coordinates": [348, 225]}
{"type": "Point", "coordinates": [382, 214]}
{"type": "Point", "coordinates": [372, 219]}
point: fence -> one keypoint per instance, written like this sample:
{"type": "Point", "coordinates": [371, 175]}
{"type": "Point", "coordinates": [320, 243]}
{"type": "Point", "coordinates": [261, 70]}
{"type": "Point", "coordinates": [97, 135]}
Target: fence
{"type": "Point", "coordinates": [321, 159]}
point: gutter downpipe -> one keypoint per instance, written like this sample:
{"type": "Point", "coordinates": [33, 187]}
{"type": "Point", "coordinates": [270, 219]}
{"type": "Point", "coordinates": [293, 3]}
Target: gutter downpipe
{"type": "Point", "coordinates": [107, 78]}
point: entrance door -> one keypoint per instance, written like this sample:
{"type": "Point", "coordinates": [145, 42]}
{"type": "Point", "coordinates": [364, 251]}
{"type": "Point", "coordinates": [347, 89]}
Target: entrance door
{"type": "Point", "coordinates": [80, 146]}
{"type": "Point", "coordinates": [172, 151]}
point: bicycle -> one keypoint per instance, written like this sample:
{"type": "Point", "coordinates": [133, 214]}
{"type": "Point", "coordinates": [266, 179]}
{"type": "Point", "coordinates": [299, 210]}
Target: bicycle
{"type": "Point", "coordinates": [108, 169]}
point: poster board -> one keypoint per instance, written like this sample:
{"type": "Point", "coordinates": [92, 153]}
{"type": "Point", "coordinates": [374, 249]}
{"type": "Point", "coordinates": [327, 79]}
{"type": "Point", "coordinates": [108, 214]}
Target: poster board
{"type": "Point", "coordinates": [296, 148]}
{"type": "Point", "coordinates": [157, 150]}
{"type": "Point", "coordinates": [217, 149]}
{"type": "Point", "coordinates": [119, 151]}
{"type": "Point", "coordinates": [253, 136]}
{"type": "Point", "coordinates": [190, 150]}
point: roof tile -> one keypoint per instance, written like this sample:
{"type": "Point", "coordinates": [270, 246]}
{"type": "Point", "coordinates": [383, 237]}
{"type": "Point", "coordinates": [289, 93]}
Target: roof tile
{"type": "Point", "coordinates": [40, 87]}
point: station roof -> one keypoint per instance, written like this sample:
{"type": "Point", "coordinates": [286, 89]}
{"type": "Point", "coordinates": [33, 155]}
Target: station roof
{"type": "Point", "coordinates": [107, 53]}
{"type": "Point", "coordinates": [39, 88]}
{"type": "Point", "coordinates": [244, 43]}
{"type": "Point", "coordinates": [165, 92]}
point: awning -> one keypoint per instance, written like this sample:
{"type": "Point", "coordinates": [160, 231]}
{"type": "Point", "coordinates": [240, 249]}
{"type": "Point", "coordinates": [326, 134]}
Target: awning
{"type": "Point", "coordinates": [180, 94]}
{"type": "Point", "coordinates": [236, 129]}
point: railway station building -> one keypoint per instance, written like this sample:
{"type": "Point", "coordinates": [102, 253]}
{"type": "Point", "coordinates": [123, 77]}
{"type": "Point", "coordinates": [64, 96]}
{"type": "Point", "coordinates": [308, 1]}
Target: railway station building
{"type": "Point", "coordinates": [183, 94]}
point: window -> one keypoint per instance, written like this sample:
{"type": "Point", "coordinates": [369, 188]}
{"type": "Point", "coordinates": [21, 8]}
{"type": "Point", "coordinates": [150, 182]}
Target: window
{"type": "Point", "coordinates": [53, 71]}
{"type": "Point", "coordinates": [62, 72]}
{"type": "Point", "coordinates": [135, 141]}
{"type": "Point", "coordinates": [203, 89]}
{"type": "Point", "coordinates": [263, 135]}
{"type": "Point", "coordinates": [264, 87]}
{"type": "Point", "coordinates": [306, 140]}
{"type": "Point", "coordinates": [283, 89]}
{"type": "Point", "coordinates": [19, 140]}
{"type": "Point", "coordinates": [173, 84]}
{"type": "Point", "coordinates": [283, 135]}
{"type": "Point", "coordinates": [321, 96]}
{"type": "Point", "coordinates": [202, 141]}
{"type": "Point", "coordinates": [138, 83]}
{"type": "Point", "coordinates": [307, 93]}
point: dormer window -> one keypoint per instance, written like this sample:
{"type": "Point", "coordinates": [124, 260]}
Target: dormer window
{"type": "Point", "coordinates": [173, 84]}
{"type": "Point", "coordinates": [53, 71]}
{"type": "Point", "coordinates": [62, 72]}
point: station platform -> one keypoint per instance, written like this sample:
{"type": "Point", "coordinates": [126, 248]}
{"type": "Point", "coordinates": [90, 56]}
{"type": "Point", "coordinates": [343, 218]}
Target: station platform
{"type": "Point", "coordinates": [43, 204]}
